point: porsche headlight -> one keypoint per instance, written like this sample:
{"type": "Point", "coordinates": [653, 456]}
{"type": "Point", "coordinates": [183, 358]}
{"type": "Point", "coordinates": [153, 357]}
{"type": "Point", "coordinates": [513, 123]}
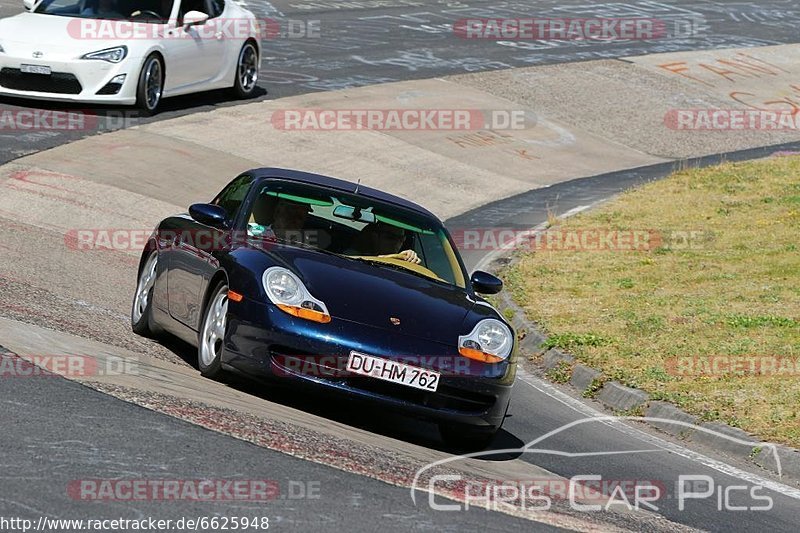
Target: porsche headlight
{"type": "Point", "coordinates": [112, 55]}
{"type": "Point", "coordinates": [490, 341]}
{"type": "Point", "coordinates": [288, 293]}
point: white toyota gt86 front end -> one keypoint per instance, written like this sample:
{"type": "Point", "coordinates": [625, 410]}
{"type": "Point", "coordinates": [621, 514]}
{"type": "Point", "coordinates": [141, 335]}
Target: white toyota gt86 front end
{"type": "Point", "coordinates": [129, 52]}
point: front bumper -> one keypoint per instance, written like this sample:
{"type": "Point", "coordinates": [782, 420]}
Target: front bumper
{"type": "Point", "coordinates": [72, 80]}
{"type": "Point", "coordinates": [264, 341]}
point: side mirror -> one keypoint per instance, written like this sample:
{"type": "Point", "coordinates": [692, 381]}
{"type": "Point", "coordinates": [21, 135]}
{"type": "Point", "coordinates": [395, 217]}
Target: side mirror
{"type": "Point", "coordinates": [28, 4]}
{"type": "Point", "coordinates": [194, 18]}
{"type": "Point", "coordinates": [210, 215]}
{"type": "Point", "coordinates": [485, 283]}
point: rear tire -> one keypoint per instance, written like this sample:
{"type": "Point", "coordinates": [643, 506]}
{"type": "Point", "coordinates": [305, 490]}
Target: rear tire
{"type": "Point", "coordinates": [151, 85]}
{"type": "Point", "coordinates": [211, 340]}
{"type": "Point", "coordinates": [246, 72]}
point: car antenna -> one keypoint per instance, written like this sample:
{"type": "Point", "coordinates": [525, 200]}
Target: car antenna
{"type": "Point", "coordinates": [357, 186]}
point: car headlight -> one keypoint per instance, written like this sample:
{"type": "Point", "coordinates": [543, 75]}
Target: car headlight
{"type": "Point", "coordinates": [112, 55]}
{"type": "Point", "coordinates": [490, 341]}
{"type": "Point", "coordinates": [286, 291]}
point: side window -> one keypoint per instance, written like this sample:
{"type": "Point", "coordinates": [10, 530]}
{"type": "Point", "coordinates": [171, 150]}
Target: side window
{"type": "Point", "coordinates": [233, 195]}
{"type": "Point", "coordinates": [216, 8]}
{"type": "Point", "coordinates": [191, 5]}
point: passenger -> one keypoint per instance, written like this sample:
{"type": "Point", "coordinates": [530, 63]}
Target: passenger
{"type": "Point", "coordinates": [384, 240]}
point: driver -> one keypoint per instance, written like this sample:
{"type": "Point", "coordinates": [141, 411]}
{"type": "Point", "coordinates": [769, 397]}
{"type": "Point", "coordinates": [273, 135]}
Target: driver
{"type": "Point", "coordinates": [106, 9]}
{"type": "Point", "coordinates": [385, 240]}
{"type": "Point", "coordinates": [165, 12]}
{"type": "Point", "coordinates": [288, 219]}
{"type": "Point", "coordinates": [166, 8]}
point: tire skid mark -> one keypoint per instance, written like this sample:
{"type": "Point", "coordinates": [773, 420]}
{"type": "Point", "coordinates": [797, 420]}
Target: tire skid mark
{"type": "Point", "coordinates": [26, 175]}
{"type": "Point", "coordinates": [23, 177]}
{"type": "Point", "coordinates": [150, 146]}
{"type": "Point", "coordinates": [69, 238]}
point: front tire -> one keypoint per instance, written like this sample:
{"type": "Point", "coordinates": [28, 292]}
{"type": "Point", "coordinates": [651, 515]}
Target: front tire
{"type": "Point", "coordinates": [212, 335]}
{"type": "Point", "coordinates": [246, 72]}
{"type": "Point", "coordinates": [151, 85]}
{"type": "Point", "coordinates": [142, 308]}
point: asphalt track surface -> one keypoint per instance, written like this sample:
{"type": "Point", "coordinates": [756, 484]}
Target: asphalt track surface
{"type": "Point", "coordinates": [54, 430]}
{"type": "Point", "coordinates": [365, 42]}
{"type": "Point", "coordinates": [43, 454]}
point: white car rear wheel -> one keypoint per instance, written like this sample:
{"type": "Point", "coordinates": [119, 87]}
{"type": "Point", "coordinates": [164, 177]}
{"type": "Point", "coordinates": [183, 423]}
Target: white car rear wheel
{"type": "Point", "coordinates": [151, 85]}
{"type": "Point", "coordinates": [246, 71]}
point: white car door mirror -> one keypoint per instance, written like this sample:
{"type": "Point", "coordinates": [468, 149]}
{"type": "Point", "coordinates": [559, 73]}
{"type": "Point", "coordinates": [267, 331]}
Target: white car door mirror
{"type": "Point", "coordinates": [192, 18]}
{"type": "Point", "coordinates": [28, 4]}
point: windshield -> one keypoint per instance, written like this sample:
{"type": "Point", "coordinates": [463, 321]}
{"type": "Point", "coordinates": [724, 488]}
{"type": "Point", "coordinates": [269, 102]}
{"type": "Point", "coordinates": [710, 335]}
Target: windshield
{"type": "Point", "coordinates": [157, 11]}
{"type": "Point", "coordinates": [355, 227]}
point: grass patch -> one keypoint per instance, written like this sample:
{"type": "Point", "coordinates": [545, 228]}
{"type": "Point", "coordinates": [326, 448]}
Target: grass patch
{"type": "Point", "coordinates": [560, 373]}
{"type": "Point", "coordinates": [731, 288]}
{"type": "Point", "coordinates": [568, 341]}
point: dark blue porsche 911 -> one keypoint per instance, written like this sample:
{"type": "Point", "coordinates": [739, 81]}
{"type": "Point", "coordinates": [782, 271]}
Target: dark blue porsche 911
{"type": "Point", "coordinates": [334, 285]}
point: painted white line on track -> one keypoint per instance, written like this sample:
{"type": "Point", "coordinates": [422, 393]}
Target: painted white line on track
{"type": "Point", "coordinates": [487, 259]}
{"type": "Point", "coordinates": [589, 411]}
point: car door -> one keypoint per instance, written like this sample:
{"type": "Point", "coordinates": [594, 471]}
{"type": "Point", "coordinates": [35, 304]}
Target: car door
{"type": "Point", "coordinates": [194, 53]}
{"type": "Point", "coordinates": [192, 261]}
{"type": "Point", "coordinates": [222, 34]}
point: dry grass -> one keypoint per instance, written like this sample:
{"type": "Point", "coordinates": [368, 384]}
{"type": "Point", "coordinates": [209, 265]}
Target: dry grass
{"type": "Point", "coordinates": [734, 291]}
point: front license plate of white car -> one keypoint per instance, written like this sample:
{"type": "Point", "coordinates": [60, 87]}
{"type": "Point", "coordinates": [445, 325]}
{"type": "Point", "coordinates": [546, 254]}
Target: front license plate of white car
{"type": "Point", "coordinates": [36, 69]}
{"type": "Point", "coordinates": [401, 373]}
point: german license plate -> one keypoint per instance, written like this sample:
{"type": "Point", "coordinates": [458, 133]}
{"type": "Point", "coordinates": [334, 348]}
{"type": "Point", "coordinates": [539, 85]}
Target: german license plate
{"type": "Point", "coordinates": [393, 371]}
{"type": "Point", "coordinates": [36, 69]}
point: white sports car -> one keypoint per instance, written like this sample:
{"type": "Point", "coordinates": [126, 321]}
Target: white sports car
{"type": "Point", "coordinates": [130, 52]}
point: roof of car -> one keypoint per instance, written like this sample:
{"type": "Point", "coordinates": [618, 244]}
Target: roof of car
{"type": "Point", "coordinates": [341, 185]}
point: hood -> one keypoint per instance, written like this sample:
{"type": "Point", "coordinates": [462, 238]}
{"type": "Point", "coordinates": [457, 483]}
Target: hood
{"type": "Point", "coordinates": [370, 295]}
{"type": "Point", "coordinates": [57, 38]}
